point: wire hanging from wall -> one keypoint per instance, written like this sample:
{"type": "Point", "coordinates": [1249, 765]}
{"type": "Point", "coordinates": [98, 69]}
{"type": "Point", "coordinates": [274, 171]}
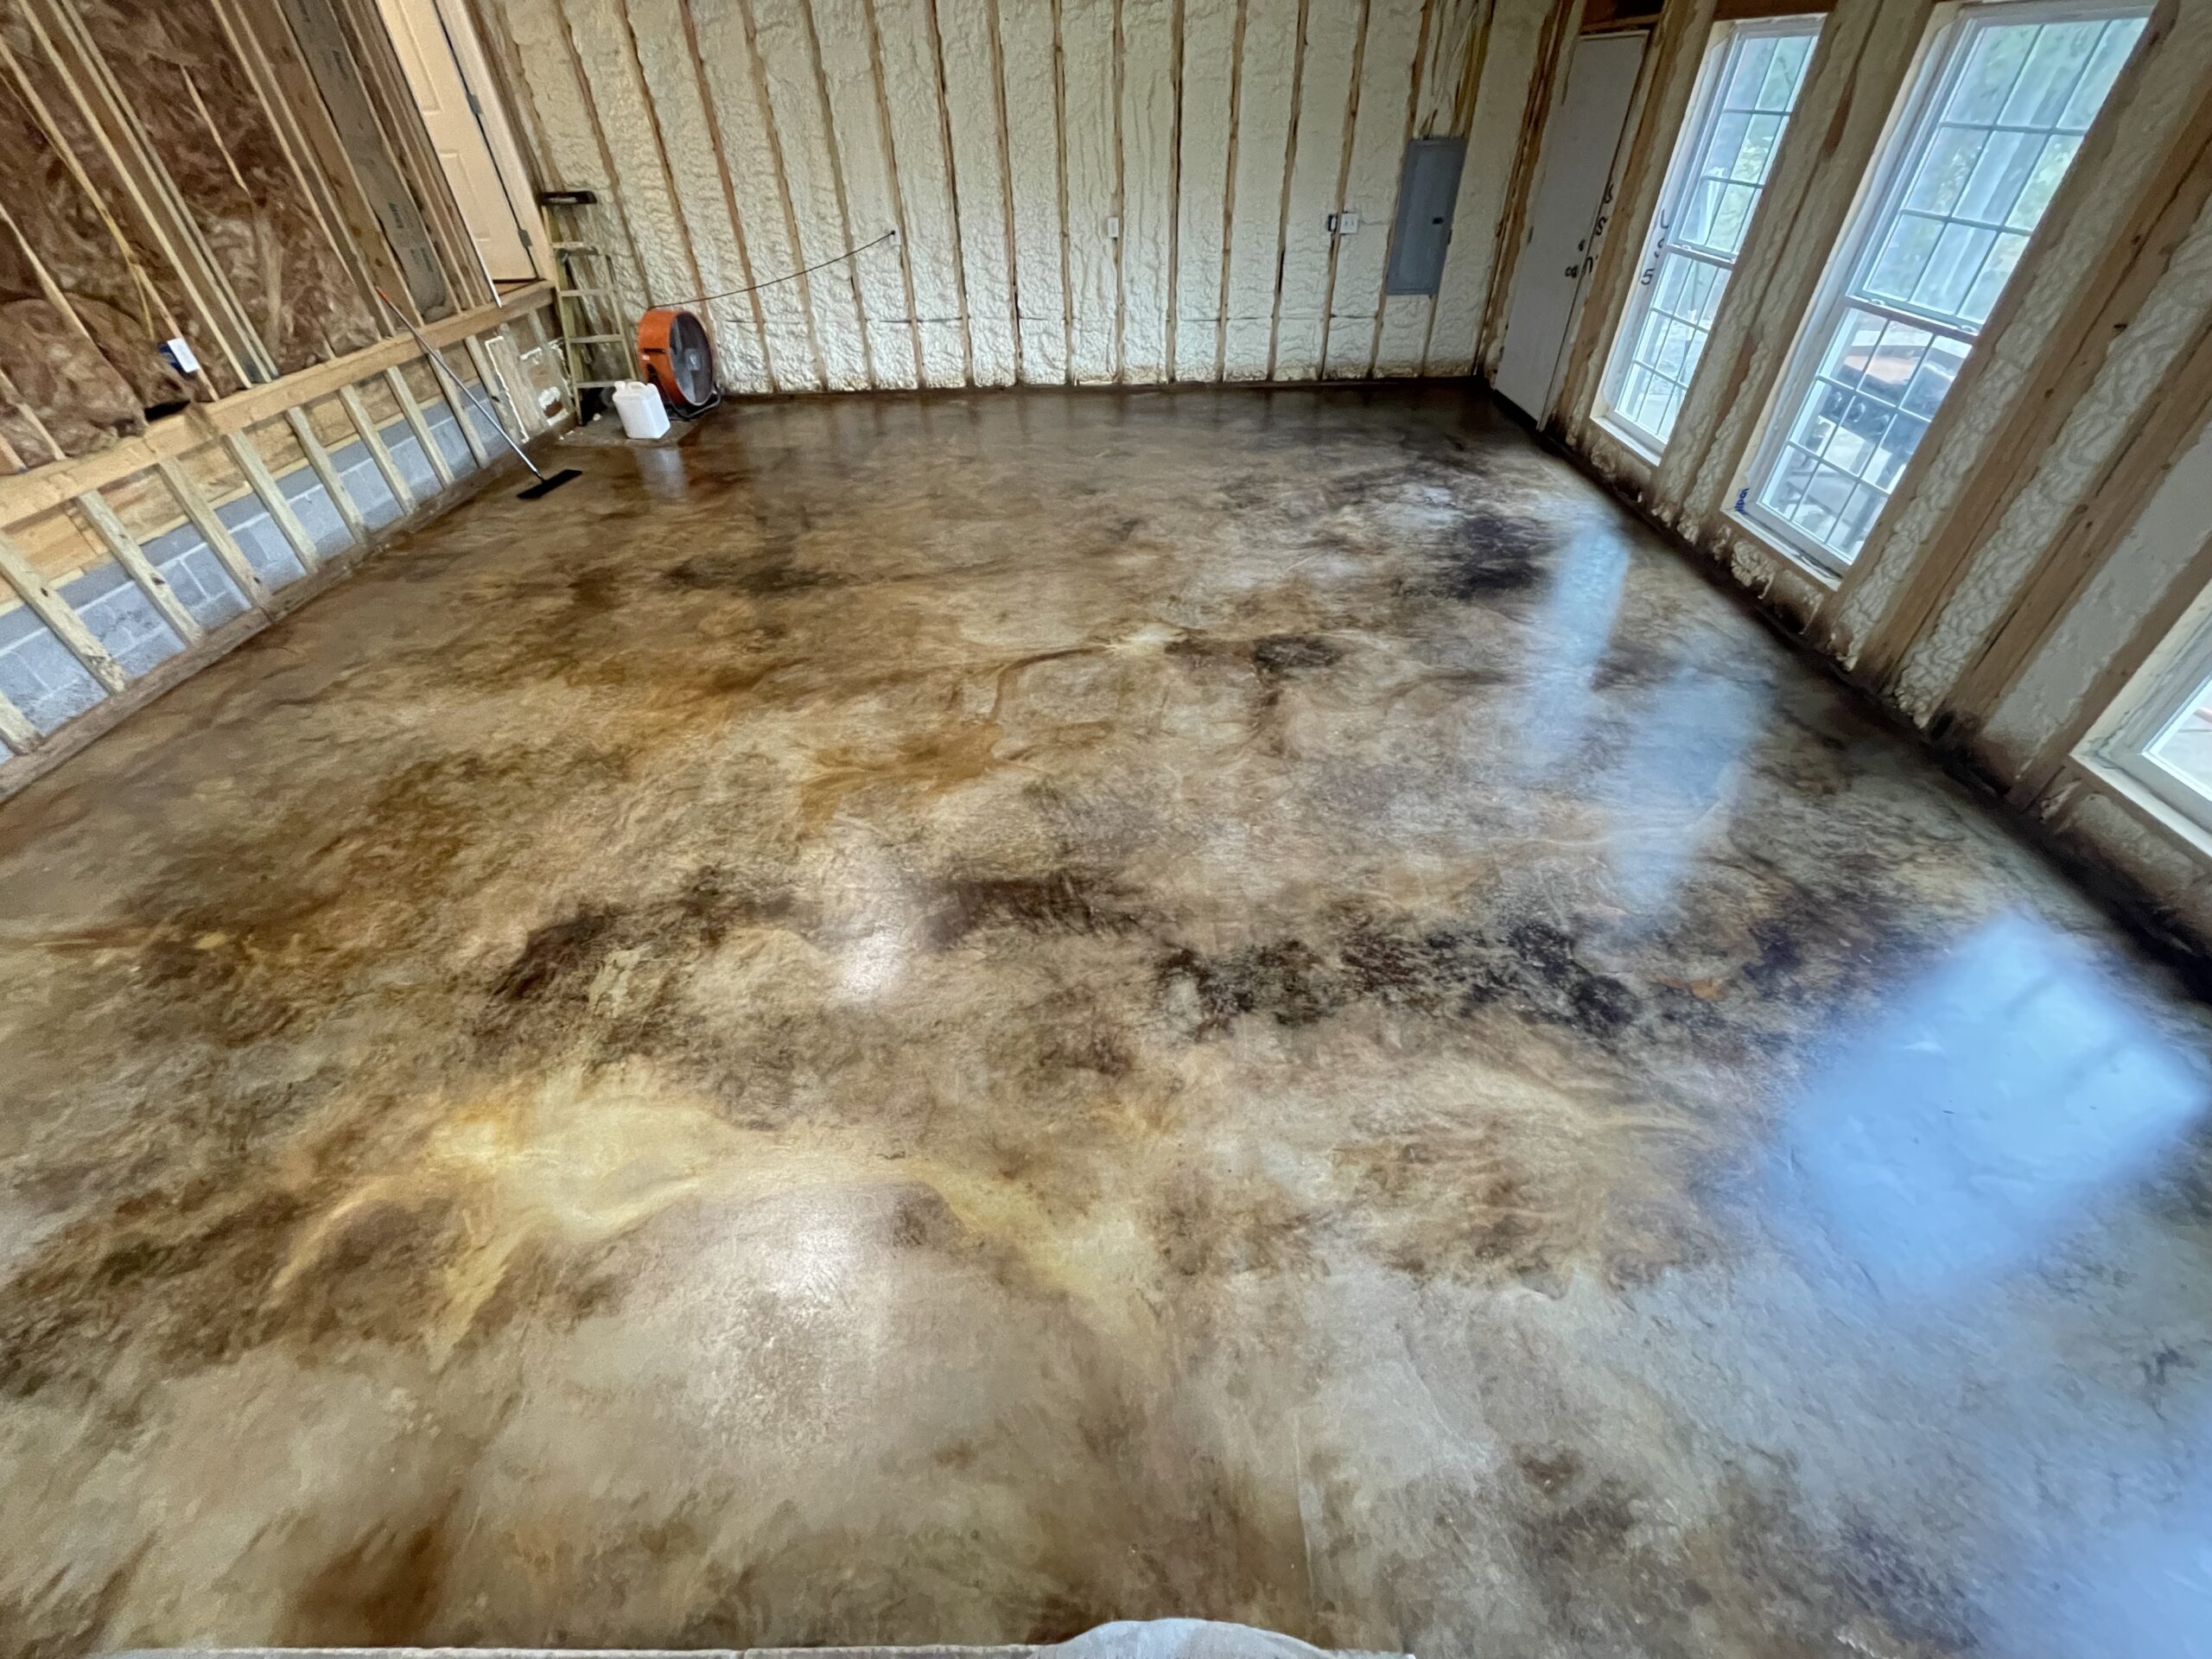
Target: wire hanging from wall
{"type": "Point", "coordinates": [789, 276]}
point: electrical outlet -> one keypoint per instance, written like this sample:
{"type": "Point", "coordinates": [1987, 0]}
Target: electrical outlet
{"type": "Point", "coordinates": [1114, 229]}
{"type": "Point", "coordinates": [1344, 223]}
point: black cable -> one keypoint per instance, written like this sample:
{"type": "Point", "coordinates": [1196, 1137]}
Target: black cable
{"type": "Point", "coordinates": [732, 293]}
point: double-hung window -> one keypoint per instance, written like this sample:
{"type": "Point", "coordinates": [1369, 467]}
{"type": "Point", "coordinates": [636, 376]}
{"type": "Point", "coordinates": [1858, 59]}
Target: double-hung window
{"type": "Point", "coordinates": [1749, 83]}
{"type": "Point", "coordinates": [1996, 121]}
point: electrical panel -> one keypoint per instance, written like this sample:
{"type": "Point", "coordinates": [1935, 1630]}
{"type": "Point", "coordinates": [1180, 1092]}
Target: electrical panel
{"type": "Point", "coordinates": [1428, 187]}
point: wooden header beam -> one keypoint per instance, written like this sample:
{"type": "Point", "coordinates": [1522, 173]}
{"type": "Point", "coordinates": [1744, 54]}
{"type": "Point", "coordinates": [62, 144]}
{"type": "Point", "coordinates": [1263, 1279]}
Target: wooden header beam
{"type": "Point", "coordinates": [26, 495]}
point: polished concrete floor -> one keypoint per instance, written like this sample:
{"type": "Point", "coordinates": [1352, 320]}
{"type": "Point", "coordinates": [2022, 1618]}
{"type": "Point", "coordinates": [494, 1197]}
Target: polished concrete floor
{"type": "Point", "coordinates": [939, 1020]}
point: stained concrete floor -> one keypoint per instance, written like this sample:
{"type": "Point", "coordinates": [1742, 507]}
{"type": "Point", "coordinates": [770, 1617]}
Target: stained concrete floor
{"type": "Point", "coordinates": [939, 1020]}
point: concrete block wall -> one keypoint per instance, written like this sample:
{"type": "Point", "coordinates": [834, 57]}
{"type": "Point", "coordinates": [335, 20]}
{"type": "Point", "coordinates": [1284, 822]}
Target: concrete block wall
{"type": "Point", "coordinates": [50, 687]}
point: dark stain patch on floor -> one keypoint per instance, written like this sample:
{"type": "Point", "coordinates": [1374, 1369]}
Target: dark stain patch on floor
{"type": "Point", "coordinates": [1062, 900]}
{"type": "Point", "coordinates": [760, 576]}
{"type": "Point", "coordinates": [950, 1018]}
{"type": "Point", "coordinates": [1281, 655]}
{"type": "Point", "coordinates": [1490, 556]}
{"type": "Point", "coordinates": [1532, 970]}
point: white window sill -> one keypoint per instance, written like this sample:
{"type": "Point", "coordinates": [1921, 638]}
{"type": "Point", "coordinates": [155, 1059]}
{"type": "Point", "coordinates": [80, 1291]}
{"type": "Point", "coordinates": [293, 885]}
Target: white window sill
{"type": "Point", "coordinates": [2146, 803]}
{"type": "Point", "coordinates": [1636, 442]}
{"type": "Point", "coordinates": [1766, 542]}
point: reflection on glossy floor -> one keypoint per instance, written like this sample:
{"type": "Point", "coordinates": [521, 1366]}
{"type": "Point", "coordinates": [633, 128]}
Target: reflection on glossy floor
{"type": "Point", "coordinates": [947, 1019]}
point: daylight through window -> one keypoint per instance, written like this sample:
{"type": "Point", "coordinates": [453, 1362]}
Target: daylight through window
{"type": "Point", "coordinates": [2007, 102]}
{"type": "Point", "coordinates": [1720, 166]}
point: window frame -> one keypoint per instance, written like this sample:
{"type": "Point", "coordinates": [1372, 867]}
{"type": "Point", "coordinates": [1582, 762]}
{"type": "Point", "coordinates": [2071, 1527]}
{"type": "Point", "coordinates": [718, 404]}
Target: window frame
{"type": "Point", "coordinates": [1705, 112]}
{"type": "Point", "coordinates": [1911, 131]}
{"type": "Point", "coordinates": [2164, 691]}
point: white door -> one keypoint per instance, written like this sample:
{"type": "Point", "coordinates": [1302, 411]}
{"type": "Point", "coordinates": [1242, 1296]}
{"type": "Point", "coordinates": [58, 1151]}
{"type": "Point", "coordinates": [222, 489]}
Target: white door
{"type": "Point", "coordinates": [426, 51]}
{"type": "Point", "coordinates": [1579, 143]}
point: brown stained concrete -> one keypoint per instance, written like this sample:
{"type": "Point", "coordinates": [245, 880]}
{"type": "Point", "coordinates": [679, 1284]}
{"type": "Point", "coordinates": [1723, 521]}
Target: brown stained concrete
{"type": "Point", "coordinates": [940, 1020]}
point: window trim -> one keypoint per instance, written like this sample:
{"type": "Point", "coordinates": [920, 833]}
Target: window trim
{"type": "Point", "coordinates": [1904, 142]}
{"type": "Point", "coordinates": [2163, 689]}
{"type": "Point", "coordinates": [1705, 107]}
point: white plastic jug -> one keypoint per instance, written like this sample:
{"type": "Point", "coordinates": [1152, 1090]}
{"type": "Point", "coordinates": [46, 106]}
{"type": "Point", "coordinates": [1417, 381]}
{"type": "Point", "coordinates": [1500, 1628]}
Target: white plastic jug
{"type": "Point", "coordinates": [640, 408]}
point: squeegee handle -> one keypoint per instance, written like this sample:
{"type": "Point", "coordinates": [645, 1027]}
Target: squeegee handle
{"type": "Point", "coordinates": [439, 366]}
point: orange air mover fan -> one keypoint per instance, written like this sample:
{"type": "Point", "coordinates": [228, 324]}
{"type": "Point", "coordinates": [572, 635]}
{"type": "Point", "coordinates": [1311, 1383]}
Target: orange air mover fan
{"type": "Point", "coordinates": [679, 359]}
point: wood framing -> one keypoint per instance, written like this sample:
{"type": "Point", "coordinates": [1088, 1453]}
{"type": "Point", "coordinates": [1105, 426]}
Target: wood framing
{"type": "Point", "coordinates": [150, 247]}
{"type": "Point", "coordinates": [327, 472]}
{"type": "Point", "coordinates": [2090, 535]}
{"type": "Point", "coordinates": [124, 548]}
{"type": "Point", "coordinates": [202, 513]}
{"type": "Point", "coordinates": [497, 392]}
{"type": "Point", "coordinates": [149, 194]}
{"type": "Point", "coordinates": [2038, 773]}
{"type": "Point", "coordinates": [454, 390]}
{"type": "Point", "coordinates": [344, 90]}
{"type": "Point", "coordinates": [209, 444]}
{"type": "Point", "coordinates": [24, 83]}
{"type": "Point", "coordinates": [15, 731]}
{"type": "Point", "coordinates": [255, 470]}
{"type": "Point", "coordinates": [266, 45]}
{"type": "Point", "coordinates": [351, 180]}
{"type": "Point", "coordinates": [379, 454]}
{"type": "Point", "coordinates": [385, 83]}
{"type": "Point", "coordinates": [55, 612]}
{"type": "Point", "coordinates": [419, 424]}
{"type": "Point", "coordinates": [28, 493]}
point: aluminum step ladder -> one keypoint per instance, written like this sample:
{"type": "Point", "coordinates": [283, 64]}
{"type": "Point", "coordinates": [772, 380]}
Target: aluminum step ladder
{"type": "Point", "coordinates": [585, 300]}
